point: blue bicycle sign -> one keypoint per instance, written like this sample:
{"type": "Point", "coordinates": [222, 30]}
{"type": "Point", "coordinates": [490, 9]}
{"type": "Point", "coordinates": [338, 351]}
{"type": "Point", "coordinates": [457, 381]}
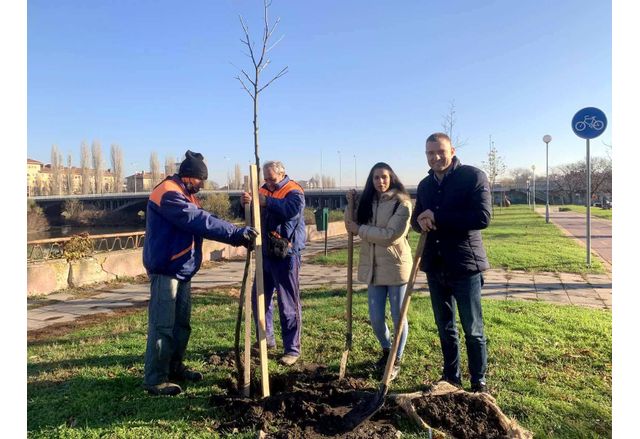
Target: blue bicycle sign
{"type": "Point", "coordinates": [589, 123]}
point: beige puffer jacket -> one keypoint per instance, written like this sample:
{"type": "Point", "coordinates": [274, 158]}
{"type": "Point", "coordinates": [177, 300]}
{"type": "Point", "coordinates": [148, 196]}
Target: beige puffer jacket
{"type": "Point", "coordinates": [385, 254]}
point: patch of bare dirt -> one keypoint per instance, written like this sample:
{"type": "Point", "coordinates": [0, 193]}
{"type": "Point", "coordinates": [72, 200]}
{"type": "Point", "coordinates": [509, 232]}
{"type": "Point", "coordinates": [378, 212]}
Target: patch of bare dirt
{"type": "Point", "coordinates": [310, 402]}
{"type": "Point", "coordinates": [61, 329]}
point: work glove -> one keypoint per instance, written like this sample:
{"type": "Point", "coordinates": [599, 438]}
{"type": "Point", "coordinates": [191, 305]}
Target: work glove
{"type": "Point", "coordinates": [249, 234]}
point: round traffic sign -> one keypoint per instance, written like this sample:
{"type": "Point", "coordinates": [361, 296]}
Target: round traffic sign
{"type": "Point", "coordinates": [589, 123]}
{"type": "Point", "coordinates": [546, 138]}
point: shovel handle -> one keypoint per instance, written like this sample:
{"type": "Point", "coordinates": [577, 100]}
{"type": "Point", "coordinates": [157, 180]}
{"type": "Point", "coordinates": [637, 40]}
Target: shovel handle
{"type": "Point", "coordinates": [349, 277]}
{"type": "Point", "coordinates": [349, 334]}
{"type": "Point", "coordinates": [404, 309]}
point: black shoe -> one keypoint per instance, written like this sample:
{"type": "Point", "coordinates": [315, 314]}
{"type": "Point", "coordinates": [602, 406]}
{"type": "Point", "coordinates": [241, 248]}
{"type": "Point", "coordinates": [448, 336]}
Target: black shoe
{"type": "Point", "coordinates": [479, 387]}
{"type": "Point", "coordinates": [184, 374]}
{"type": "Point", "coordinates": [164, 389]}
{"type": "Point", "coordinates": [382, 362]}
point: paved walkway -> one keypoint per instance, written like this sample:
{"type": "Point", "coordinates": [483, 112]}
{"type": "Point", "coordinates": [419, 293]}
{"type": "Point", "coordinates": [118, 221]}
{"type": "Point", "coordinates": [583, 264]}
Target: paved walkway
{"type": "Point", "coordinates": [575, 224]}
{"type": "Point", "coordinates": [561, 288]}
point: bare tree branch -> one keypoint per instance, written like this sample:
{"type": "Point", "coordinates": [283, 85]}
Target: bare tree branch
{"type": "Point", "coordinates": [245, 87]}
{"type": "Point", "coordinates": [282, 73]}
{"type": "Point", "coordinates": [245, 28]}
{"type": "Point", "coordinates": [274, 44]}
{"type": "Point", "coordinates": [264, 66]}
{"type": "Point", "coordinates": [275, 25]}
{"type": "Point", "coordinates": [259, 65]}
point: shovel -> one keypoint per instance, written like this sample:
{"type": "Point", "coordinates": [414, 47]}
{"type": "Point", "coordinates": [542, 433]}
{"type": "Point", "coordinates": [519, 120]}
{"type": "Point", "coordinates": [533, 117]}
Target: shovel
{"type": "Point", "coordinates": [349, 333]}
{"type": "Point", "coordinates": [370, 406]}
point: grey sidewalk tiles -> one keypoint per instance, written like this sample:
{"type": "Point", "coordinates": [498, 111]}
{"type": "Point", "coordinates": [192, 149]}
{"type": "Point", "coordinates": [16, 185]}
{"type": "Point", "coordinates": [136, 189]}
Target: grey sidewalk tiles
{"type": "Point", "coordinates": [593, 290]}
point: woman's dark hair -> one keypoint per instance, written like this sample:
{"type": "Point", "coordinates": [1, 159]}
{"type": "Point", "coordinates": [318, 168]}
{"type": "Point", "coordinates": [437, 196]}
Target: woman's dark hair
{"type": "Point", "coordinates": [365, 204]}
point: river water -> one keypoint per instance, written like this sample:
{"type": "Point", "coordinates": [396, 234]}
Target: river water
{"type": "Point", "coordinates": [64, 231]}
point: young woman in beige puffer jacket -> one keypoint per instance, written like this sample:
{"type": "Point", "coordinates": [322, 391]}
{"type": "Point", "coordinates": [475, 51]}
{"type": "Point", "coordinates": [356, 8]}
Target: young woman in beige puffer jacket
{"type": "Point", "coordinates": [382, 222]}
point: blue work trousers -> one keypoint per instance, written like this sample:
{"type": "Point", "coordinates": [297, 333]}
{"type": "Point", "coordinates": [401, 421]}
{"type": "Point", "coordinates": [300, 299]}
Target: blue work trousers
{"type": "Point", "coordinates": [446, 292]}
{"type": "Point", "coordinates": [377, 296]}
{"type": "Point", "coordinates": [169, 327]}
{"type": "Point", "coordinates": [282, 276]}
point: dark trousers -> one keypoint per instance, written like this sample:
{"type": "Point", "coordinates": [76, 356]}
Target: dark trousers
{"type": "Point", "coordinates": [464, 291]}
{"type": "Point", "coordinates": [169, 327]}
{"type": "Point", "coordinates": [282, 276]}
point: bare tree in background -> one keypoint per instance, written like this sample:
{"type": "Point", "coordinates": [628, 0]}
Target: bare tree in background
{"type": "Point", "coordinates": [449, 122]}
{"type": "Point", "coordinates": [84, 168]}
{"type": "Point", "coordinates": [520, 176]}
{"type": "Point", "coordinates": [571, 178]}
{"type": "Point", "coordinates": [96, 158]}
{"type": "Point", "coordinates": [154, 166]}
{"type": "Point", "coordinates": [258, 55]}
{"type": "Point", "coordinates": [609, 149]}
{"type": "Point", "coordinates": [117, 167]}
{"type": "Point", "coordinates": [494, 167]}
{"type": "Point", "coordinates": [56, 171]}
{"type": "Point", "coordinates": [169, 166]}
{"type": "Point", "coordinates": [69, 174]}
{"type": "Point", "coordinates": [237, 177]}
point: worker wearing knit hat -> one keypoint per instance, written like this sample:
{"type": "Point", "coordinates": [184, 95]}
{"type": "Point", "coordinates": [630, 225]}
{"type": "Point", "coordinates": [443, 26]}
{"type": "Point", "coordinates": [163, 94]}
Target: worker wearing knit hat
{"type": "Point", "coordinates": [175, 230]}
{"type": "Point", "coordinates": [193, 166]}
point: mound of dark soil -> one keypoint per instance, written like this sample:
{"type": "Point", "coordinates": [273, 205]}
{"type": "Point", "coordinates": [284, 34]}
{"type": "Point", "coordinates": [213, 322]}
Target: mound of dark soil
{"type": "Point", "coordinates": [310, 402]}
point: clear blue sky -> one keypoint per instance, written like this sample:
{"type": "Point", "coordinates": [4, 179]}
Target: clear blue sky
{"type": "Point", "coordinates": [370, 79]}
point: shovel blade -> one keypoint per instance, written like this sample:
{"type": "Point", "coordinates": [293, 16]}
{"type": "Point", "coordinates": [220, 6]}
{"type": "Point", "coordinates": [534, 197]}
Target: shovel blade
{"type": "Point", "coordinates": [362, 411]}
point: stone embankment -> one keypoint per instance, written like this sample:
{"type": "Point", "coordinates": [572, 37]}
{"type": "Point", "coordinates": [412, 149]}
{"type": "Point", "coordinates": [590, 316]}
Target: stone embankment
{"type": "Point", "coordinates": [48, 276]}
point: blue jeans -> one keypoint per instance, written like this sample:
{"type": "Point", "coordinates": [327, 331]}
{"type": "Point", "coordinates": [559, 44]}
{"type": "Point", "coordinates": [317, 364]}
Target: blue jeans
{"type": "Point", "coordinates": [169, 327]}
{"type": "Point", "coordinates": [377, 309]}
{"type": "Point", "coordinates": [446, 291]}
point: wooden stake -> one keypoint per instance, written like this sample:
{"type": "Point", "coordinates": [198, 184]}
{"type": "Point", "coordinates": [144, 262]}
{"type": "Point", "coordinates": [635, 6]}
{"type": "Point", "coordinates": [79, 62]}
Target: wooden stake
{"type": "Point", "coordinates": [246, 387]}
{"type": "Point", "coordinates": [262, 328]}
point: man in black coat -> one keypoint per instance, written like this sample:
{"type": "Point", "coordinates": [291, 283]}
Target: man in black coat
{"type": "Point", "coordinates": [453, 204]}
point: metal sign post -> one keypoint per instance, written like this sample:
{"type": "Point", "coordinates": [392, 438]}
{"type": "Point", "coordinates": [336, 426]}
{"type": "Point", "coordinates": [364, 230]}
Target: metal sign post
{"type": "Point", "coordinates": [546, 139]}
{"type": "Point", "coordinates": [588, 124]}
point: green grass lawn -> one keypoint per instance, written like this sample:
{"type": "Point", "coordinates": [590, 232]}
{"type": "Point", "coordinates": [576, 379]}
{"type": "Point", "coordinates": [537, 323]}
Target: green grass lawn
{"type": "Point", "coordinates": [597, 212]}
{"type": "Point", "coordinates": [549, 367]}
{"type": "Point", "coordinates": [516, 239]}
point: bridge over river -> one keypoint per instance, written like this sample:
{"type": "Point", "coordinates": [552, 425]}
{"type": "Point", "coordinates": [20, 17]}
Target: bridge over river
{"type": "Point", "coordinates": [332, 198]}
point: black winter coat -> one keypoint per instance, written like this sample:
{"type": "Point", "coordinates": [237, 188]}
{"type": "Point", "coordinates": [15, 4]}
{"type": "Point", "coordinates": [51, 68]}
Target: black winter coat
{"type": "Point", "coordinates": [462, 207]}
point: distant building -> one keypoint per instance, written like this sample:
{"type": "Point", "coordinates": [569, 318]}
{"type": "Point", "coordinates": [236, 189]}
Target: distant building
{"type": "Point", "coordinates": [40, 180]}
{"type": "Point", "coordinates": [140, 182]}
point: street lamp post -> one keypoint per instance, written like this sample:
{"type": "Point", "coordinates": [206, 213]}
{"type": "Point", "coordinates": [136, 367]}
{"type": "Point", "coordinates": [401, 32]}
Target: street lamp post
{"type": "Point", "coordinates": [546, 139]}
{"type": "Point", "coordinates": [533, 169]}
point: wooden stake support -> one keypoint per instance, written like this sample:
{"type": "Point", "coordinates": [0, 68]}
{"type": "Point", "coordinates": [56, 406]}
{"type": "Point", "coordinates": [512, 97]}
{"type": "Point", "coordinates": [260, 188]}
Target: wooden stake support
{"type": "Point", "coordinates": [246, 387]}
{"type": "Point", "coordinates": [262, 328]}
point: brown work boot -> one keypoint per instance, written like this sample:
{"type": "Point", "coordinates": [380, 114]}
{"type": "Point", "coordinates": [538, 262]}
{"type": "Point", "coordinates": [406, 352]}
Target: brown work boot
{"type": "Point", "coordinates": [164, 389]}
{"type": "Point", "coordinates": [288, 359]}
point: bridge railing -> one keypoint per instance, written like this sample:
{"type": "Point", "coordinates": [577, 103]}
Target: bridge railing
{"type": "Point", "coordinates": [53, 248]}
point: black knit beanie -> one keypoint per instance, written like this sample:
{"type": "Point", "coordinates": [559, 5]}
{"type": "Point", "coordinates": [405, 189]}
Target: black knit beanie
{"type": "Point", "coordinates": [193, 166]}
